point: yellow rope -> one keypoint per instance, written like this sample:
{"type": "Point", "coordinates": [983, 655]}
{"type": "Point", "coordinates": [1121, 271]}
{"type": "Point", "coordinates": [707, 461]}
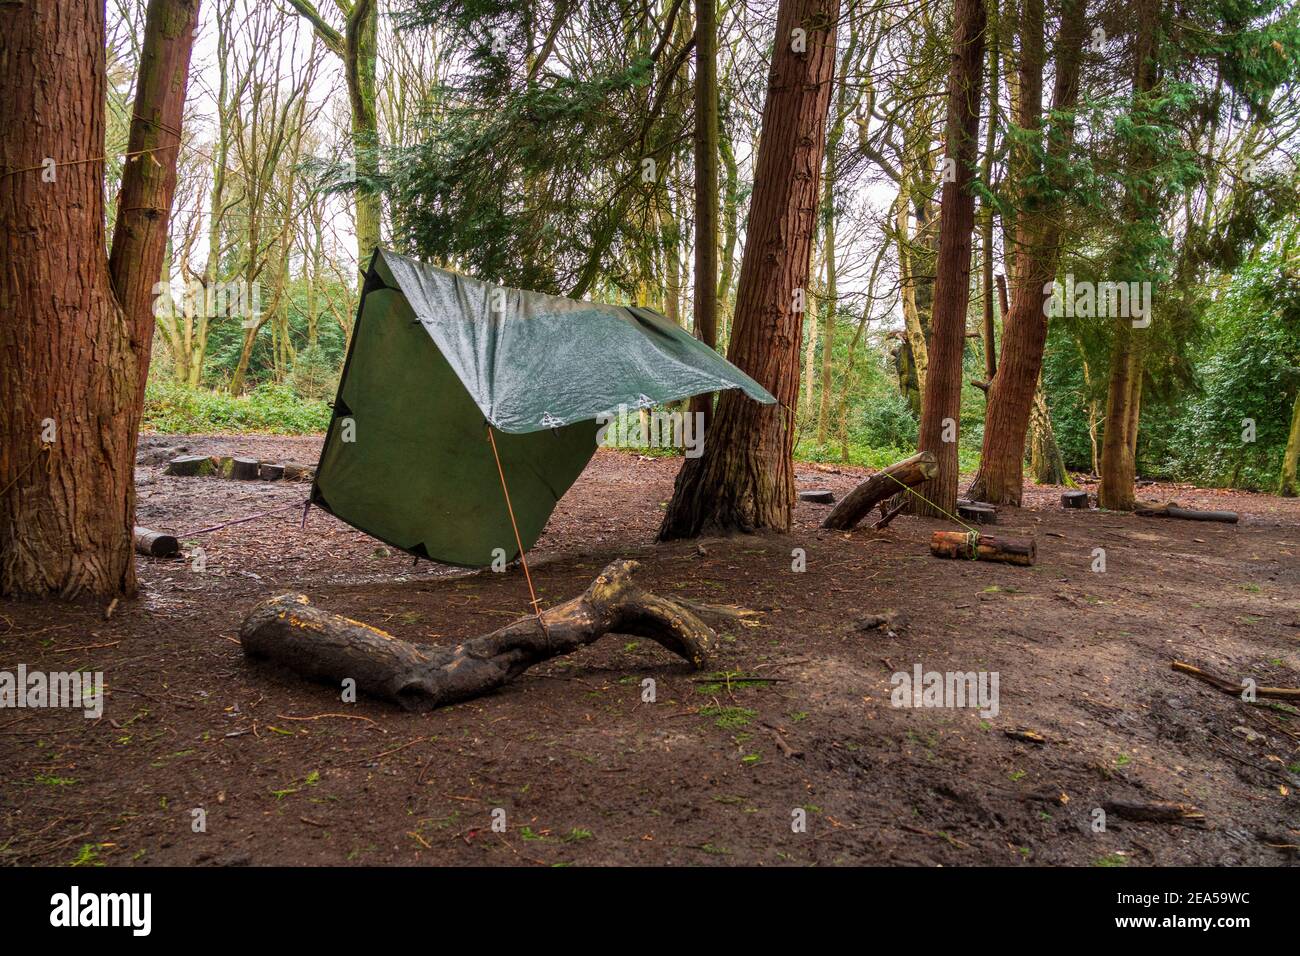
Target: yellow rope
{"type": "Point", "coordinates": [523, 558]}
{"type": "Point", "coordinates": [974, 533]}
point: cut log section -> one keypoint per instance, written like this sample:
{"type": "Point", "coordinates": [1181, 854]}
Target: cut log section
{"type": "Point", "coordinates": [322, 646]}
{"type": "Point", "coordinates": [1171, 509]}
{"type": "Point", "coordinates": [978, 512]}
{"type": "Point", "coordinates": [855, 506]}
{"type": "Point", "coordinates": [240, 469]}
{"type": "Point", "coordinates": [155, 544]}
{"type": "Point", "coordinates": [983, 547]}
{"type": "Point", "coordinates": [297, 472]}
{"type": "Point", "coordinates": [189, 466]}
{"type": "Point", "coordinates": [1074, 500]}
{"type": "Point", "coordinates": [818, 496]}
{"type": "Point", "coordinates": [270, 472]}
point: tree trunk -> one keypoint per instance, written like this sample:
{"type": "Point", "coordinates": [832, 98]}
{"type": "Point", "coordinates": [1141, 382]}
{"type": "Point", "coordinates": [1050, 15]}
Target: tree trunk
{"type": "Point", "coordinates": [1119, 438]}
{"type": "Point", "coordinates": [1037, 247]}
{"type": "Point", "coordinates": [986, 210]}
{"type": "Point", "coordinates": [744, 480]}
{"type": "Point", "coordinates": [831, 300]}
{"type": "Point", "coordinates": [356, 47]}
{"type": "Point", "coordinates": [1118, 469]}
{"type": "Point", "coordinates": [322, 646]}
{"type": "Point", "coordinates": [1287, 486]}
{"type": "Point", "coordinates": [730, 226]}
{"type": "Point", "coordinates": [72, 358]}
{"type": "Point", "coordinates": [1046, 463]}
{"type": "Point", "coordinates": [706, 186]}
{"type": "Point", "coordinates": [941, 403]}
{"type": "Point", "coordinates": [918, 352]}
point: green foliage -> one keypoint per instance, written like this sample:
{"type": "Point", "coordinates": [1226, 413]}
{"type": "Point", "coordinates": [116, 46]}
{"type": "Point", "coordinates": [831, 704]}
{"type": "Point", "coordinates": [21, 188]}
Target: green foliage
{"type": "Point", "coordinates": [173, 408]}
{"type": "Point", "coordinates": [538, 180]}
{"type": "Point", "coordinates": [315, 375]}
{"type": "Point", "coordinates": [1250, 374]}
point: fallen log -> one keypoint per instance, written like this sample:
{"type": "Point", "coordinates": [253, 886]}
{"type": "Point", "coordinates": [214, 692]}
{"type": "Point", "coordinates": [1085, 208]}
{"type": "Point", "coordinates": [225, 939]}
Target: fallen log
{"type": "Point", "coordinates": [854, 506]}
{"type": "Point", "coordinates": [983, 547]}
{"type": "Point", "coordinates": [1171, 509]}
{"type": "Point", "coordinates": [322, 646]}
{"type": "Point", "coordinates": [155, 544]}
{"type": "Point", "coordinates": [1236, 690]}
{"type": "Point", "coordinates": [296, 472]}
{"type": "Point", "coordinates": [1074, 499]}
{"type": "Point", "coordinates": [1156, 812]}
{"type": "Point", "coordinates": [270, 472]}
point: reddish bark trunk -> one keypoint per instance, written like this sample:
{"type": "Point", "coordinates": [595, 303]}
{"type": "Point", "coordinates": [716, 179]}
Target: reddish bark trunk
{"type": "Point", "coordinates": [744, 480]}
{"type": "Point", "coordinates": [72, 363]}
{"type": "Point", "coordinates": [941, 403]}
{"type": "Point", "coordinates": [1037, 248]}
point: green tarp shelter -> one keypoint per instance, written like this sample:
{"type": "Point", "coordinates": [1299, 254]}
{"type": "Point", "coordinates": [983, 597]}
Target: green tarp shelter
{"type": "Point", "coordinates": [437, 357]}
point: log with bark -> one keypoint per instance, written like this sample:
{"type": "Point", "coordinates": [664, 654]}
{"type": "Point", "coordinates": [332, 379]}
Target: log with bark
{"type": "Point", "coordinates": [1172, 509]}
{"type": "Point", "coordinates": [155, 544]}
{"type": "Point", "coordinates": [314, 643]}
{"type": "Point", "coordinates": [190, 466]}
{"type": "Point", "coordinates": [855, 506]}
{"type": "Point", "coordinates": [296, 472]}
{"type": "Point", "coordinates": [240, 469]}
{"type": "Point", "coordinates": [983, 547]}
{"type": "Point", "coordinates": [1156, 812]}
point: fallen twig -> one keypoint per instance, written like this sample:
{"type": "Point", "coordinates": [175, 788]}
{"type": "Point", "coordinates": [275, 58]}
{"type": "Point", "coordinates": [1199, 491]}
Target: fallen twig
{"type": "Point", "coordinates": [1236, 690]}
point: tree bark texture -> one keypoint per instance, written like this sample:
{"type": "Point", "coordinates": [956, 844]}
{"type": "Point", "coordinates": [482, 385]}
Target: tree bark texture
{"type": "Point", "coordinates": [73, 359]}
{"type": "Point", "coordinates": [1036, 252]}
{"type": "Point", "coordinates": [744, 480]}
{"type": "Point", "coordinates": [941, 403]}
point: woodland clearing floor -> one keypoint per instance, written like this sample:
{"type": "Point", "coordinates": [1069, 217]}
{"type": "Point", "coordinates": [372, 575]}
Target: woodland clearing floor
{"type": "Point", "coordinates": [710, 773]}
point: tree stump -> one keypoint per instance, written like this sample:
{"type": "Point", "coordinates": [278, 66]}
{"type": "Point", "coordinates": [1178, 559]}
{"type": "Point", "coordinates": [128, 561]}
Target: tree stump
{"type": "Point", "coordinates": [240, 469]}
{"type": "Point", "coordinates": [978, 512]}
{"type": "Point", "coordinates": [1074, 500]}
{"type": "Point", "coordinates": [155, 544]}
{"type": "Point", "coordinates": [189, 466]}
{"type": "Point", "coordinates": [269, 472]}
{"type": "Point", "coordinates": [818, 496]}
{"type": "Point", "coordinates": [983, 547]}
{"type": "Point", "coordinates": [855, 506]}
{"type": "Point", "coordinates": [322, 646]}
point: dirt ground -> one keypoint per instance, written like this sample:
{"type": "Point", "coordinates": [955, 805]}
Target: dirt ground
{"type": "Point", "coordinates": [712, 772]}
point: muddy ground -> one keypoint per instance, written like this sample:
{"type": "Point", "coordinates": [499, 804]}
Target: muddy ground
{"type": "Point", "coordinates": [712, 772]}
